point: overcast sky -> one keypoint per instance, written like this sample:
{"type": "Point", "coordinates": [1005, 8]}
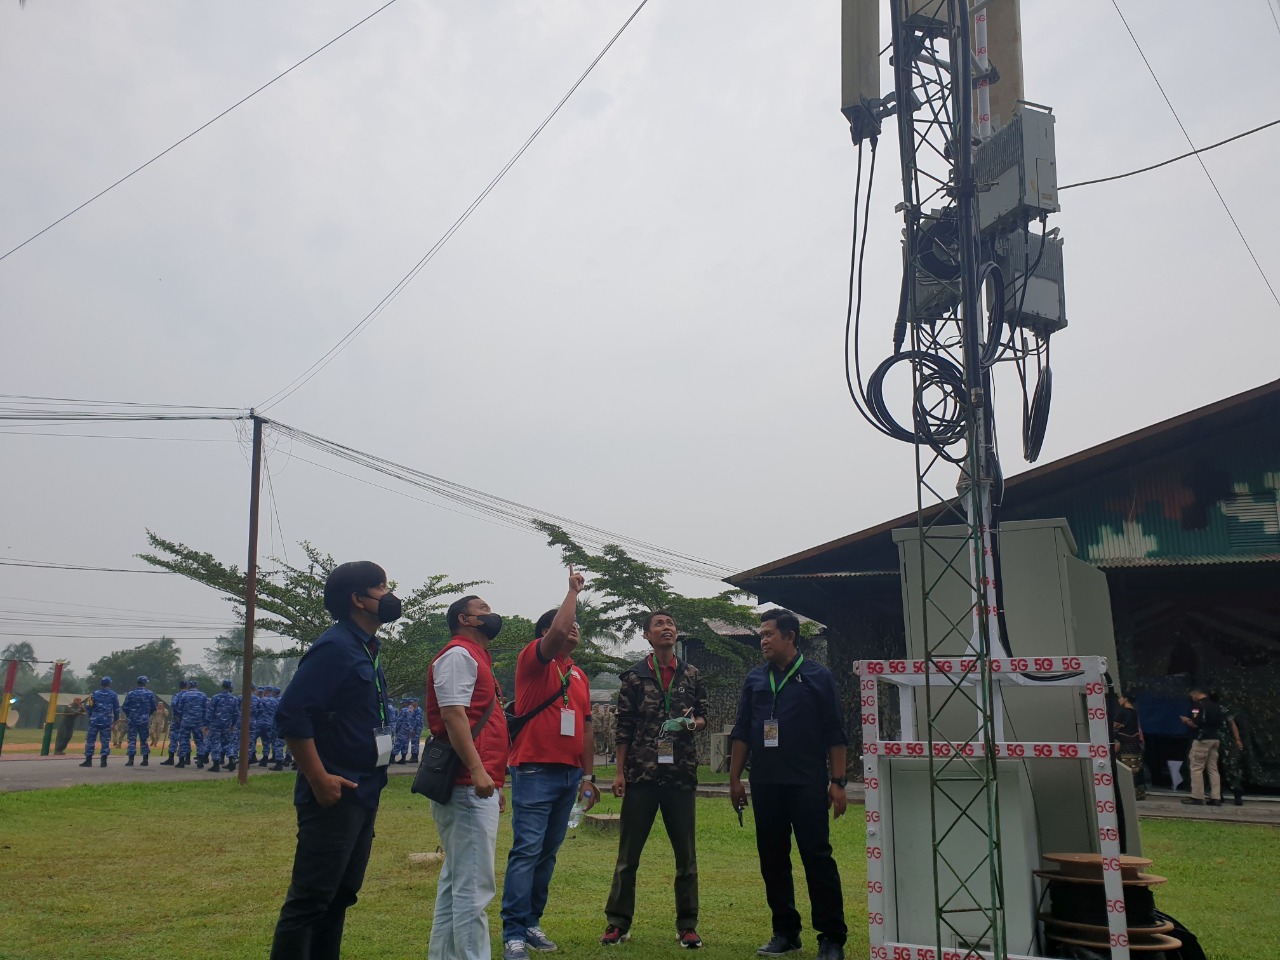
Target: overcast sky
{"type": "Point", "coordinates": [640, 328]}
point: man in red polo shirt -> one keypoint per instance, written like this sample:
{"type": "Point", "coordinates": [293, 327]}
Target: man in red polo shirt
{"type": "Point", "coordinates": [462, 692]}
{"type": "Point", "coordinates": [551, 767]}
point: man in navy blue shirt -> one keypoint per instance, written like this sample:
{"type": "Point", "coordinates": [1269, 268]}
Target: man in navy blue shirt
{"type": "Point", "coordinates": [336, 719]}
{"type": "Point", "coordinates": [789, 723]}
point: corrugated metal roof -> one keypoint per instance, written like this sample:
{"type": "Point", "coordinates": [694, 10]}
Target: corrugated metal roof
{"type": "Point", "coordinates": [1202, 561]}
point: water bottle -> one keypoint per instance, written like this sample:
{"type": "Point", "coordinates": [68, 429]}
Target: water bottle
{"type": "Point", "coordinates": [579, 808]}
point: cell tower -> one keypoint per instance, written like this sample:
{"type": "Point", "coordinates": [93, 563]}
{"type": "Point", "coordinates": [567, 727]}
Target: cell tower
{"type": "Point", "coordinates": [979, 289]}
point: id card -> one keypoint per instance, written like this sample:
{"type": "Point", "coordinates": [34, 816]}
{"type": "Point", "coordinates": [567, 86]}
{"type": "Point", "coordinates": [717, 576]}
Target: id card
{"type": "Point", "coordinates": [382, 737]}
{"type": "Point", "coordinates": [666, 751]}
{"type": "Point", "coordinates": [771, 733]}
{"type": "Point", "coordinates": [568, 719]}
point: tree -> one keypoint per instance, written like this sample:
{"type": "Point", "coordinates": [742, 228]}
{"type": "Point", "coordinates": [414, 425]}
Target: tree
{"type": "Point", "coordinates": [158, 660]}
{"type": "Point", "coordinates": [290, 602]}
{"type": "Point", "coordinates": [225, 659]}
{"type": "Point", "coordinates": [624, 589]}
{"type": "Point", "coordinates": [71, 681]}
{"type": "Point", "coordinates": [24, 680]}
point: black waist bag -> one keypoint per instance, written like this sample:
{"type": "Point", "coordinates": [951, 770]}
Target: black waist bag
{"type": "Point", "coordinates": [438, 769]}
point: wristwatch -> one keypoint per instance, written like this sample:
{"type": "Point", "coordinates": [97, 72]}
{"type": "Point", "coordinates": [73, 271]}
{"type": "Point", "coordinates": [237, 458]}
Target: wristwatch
{"type": "Point", "coordinates": [840, 782]}
{"type": "Point", "coordinates": [590, 778]}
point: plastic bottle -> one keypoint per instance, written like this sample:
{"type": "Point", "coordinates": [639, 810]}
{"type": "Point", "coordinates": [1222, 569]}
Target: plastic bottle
{"type": "Point", "coordinates": [579, 808]}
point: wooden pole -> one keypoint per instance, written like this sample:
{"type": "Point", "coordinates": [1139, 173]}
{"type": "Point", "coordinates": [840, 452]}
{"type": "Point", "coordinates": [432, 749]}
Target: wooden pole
{"type": "Point", "coordinates": [250, 602]}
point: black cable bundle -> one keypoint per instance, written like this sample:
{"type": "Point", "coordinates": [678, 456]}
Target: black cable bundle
{"type": "Point", "coordinates": [1087, 903]}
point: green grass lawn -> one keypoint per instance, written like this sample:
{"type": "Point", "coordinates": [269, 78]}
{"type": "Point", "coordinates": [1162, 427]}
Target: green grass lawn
{"type": "Point", "coordinates": [198, 870]}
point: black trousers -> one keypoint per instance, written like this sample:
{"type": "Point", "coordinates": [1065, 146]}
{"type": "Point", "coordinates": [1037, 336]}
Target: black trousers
{"type": "Point", "coordinates": [780, 811]}
{"type": "Point", "coordinates": [639, 808]}
{"type": "Point", "coordinates": [328, 870]}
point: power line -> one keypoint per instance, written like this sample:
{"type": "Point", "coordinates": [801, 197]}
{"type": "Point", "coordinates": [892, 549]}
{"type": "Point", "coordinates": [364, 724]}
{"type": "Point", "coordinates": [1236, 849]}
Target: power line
{"type": "Point", "coordinates": [1165, 163]}
{"type": "Point", "coordinates": [1273, 14]}
{"type": "Point", "coordinates": [486, 506]}
{"type": "Point", "coordinates": [48, 565]}
{"type": "Point", "coordinates": [1199, 159]}
{"type": "Point", "coordinates": [288, 389]}
{"type": "Point", "coordinates": [198, 129]}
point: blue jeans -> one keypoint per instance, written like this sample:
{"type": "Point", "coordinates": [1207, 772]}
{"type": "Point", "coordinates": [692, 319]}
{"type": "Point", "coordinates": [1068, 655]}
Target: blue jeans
{"type": "Point", "coordinates": [468, 828]}
{"type": "Point", "coordinates": [541, 797]}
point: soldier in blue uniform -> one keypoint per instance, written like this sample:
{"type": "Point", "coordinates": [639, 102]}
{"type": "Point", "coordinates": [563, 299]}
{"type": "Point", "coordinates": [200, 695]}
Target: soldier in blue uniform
{"type": "Point", "coordinates": [193, 709]}
{"type": "Point", "coordinates": [256, 711]}
{"type": "Point", "coordinates": [233, 737]}
{"type": "Point", "coordinates": [267, 725]}
{"type": "Point", "coordinates": [401, 724]}
{"type": "Point", "coordinates": [218, 715]}
{"type": "Point", "coordinates": [415, 729]}
{"type": "Point", "coordinates": [139, 704]}
{"type": "Point", "coordinates": [277, 741]}
{"type": "Point", "coordinates": [175, 721]}
{"type": "Point", "coordinates": [105, 711]}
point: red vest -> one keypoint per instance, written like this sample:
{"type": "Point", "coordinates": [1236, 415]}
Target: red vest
{"type": "Point", "coordinates": [492, 742]}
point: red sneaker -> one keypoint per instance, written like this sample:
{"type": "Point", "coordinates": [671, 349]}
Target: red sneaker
{"type": "Point", "coordinates": [614, 936]}
{"type": "Point", "coordinates": [689, 939]}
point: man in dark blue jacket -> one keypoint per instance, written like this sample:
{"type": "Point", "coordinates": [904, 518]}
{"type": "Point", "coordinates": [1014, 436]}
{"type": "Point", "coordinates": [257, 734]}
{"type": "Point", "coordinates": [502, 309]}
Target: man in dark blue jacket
{"type": "Point", "coordinates": [336, 719]}
{"type": "Point", "coordinates": [789, 723]}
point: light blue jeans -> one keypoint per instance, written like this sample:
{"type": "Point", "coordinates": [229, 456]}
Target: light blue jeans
{"type": "Point", "coordinates": [468, 828]}
{"type": "Point", "coordinates": [541, 797]}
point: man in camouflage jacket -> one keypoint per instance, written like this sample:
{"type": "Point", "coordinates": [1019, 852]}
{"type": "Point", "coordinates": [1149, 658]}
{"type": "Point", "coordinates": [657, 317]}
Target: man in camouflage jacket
{"type": "Point", "coordinates": [661, 704]}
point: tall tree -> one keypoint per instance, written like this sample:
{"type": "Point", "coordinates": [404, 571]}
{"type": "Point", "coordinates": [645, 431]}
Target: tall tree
{"type": "Point", "coordinates": [290, 602]}
{"type": "Point", "coordinates": [225, 659]}
{"type": "Point", "coordinates": [624, 589]}
{"type": "Point", "coordinates": [159, 660]}
{"type": "Point", "coordinates": [24, 680]}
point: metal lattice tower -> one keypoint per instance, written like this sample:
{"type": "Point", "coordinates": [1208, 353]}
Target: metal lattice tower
{"type": "Point", "coordinates": [933, 64]}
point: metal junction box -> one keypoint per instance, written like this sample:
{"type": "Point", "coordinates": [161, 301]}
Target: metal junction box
{"type": "Point", "coordinates": [1044, 302]}
{"type": "Point", "coordinates": [1017, 171]}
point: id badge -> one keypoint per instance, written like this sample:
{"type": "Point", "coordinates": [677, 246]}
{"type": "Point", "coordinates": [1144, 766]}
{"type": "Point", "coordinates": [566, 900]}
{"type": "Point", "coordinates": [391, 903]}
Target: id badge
{"type": "Point", "coordinates": [666, 751]}
{"type": "Point", "coordinates": [568, 719]}
{"type": "Point", "coordinates": [771, 733]}
{"type": "Point", "coordinates": [382, 737]}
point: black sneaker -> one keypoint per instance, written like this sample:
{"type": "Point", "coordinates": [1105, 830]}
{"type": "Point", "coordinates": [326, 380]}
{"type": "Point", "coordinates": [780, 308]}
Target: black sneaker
{"type": "Point", "coordinates": [1193, 801]}
{"type": "Point", "coordinates": [830, 951]}
{"type": "Point", "coordinates": [780, 944]}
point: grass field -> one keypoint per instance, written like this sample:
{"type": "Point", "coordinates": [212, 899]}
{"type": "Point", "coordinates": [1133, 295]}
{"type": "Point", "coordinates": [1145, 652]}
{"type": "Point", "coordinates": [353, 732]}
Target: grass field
{"type": "Point", "coordinates": [198, 870]}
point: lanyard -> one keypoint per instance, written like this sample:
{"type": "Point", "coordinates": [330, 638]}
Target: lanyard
{"type": "Point", "coordinates": [777, 687]}
{"type": "Point", "coordinates": [377, 672]}
{"type": "Point", "coordinates": [666, 691]}
{"type": "Point", "coordinates": [564, 683]}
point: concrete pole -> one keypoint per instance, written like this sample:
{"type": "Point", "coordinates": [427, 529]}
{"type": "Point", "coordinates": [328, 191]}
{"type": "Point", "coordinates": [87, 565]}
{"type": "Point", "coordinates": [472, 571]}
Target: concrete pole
{"type": "Point", "coordinates": [53, 708]}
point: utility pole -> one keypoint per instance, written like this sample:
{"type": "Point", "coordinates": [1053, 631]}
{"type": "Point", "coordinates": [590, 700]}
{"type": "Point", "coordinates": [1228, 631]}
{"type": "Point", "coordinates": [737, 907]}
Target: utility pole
{"type": "Point", "coordinates": [250, 601]}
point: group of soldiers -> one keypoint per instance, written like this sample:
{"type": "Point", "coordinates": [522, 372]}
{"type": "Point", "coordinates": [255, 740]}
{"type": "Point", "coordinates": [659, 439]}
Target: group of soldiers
{"type": "Point", "coordinates": [206, 730]}
{"type": "Point", "coordinates": [212, 724]}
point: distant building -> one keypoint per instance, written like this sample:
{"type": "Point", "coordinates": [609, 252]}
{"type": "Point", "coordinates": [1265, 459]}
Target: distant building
{"type": "Point", "coordinates": [1183, 518]}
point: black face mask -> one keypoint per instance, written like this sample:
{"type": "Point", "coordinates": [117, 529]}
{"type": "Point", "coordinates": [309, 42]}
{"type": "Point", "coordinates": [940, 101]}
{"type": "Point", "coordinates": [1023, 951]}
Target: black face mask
{"type": "Point", "coordinates": [389, 608]}
{"type": "Point", "coordinates": [490, 624]}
